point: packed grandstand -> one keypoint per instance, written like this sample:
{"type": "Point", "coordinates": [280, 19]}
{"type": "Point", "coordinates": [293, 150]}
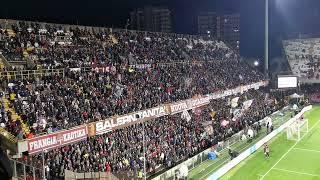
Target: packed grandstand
{"type": "Point", "coordinates": [115, 105]}
{"type": "Point", "coordinates": [303, 57]}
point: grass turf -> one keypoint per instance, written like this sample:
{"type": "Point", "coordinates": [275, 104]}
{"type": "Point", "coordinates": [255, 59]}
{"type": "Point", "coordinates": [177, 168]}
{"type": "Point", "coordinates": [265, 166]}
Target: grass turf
{"type": "Point", "coordinates": [206, 168]}
{"type": "Point", "coordinates": [289, 160]}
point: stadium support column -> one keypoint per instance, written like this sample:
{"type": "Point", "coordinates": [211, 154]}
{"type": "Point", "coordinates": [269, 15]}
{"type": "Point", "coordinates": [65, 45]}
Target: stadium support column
{"type": "Point", "coordinates": [266, 36]}
{"type": "Point", "coordinates": [43, 166]}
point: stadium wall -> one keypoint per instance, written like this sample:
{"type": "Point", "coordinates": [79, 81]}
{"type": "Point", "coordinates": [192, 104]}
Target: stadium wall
{"type": "Point", "coordinates": [224, 169]}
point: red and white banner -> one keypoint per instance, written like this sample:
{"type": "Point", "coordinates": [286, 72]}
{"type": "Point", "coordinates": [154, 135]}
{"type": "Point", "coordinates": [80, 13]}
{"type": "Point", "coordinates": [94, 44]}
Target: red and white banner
{"type": "Point", "coordinates": [141, 66]}
{"type": "Point", "coordinates": [102, 68]}
{"type": "Point", "coordinates": [107, 125]}
{"type": "Point", "coordinates": [188, 104]}
{"type": "Point", "coordinates": [194, 103]}
{"type": "Point", "coordinates": [178, 107]}
{"type": "Point", "coordinates": [56, 139]}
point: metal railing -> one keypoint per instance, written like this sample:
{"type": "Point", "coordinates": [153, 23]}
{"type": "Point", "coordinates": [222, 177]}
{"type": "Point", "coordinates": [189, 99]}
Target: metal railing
{"type": "Point", "coordinates": [70, 175]}
{"type": "Point", "coordinates": [22, 171]}
{"type": "Point", "coordinates": [8, 140]}
{"type": "Point", "coordinates": [26, 74]}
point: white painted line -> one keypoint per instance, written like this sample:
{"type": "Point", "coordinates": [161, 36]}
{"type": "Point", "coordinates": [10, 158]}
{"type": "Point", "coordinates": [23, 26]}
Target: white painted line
{"type": "Point", "coordinates": [289, 150]}
{"type": "Point", "coordinates": [296, 172]}
{"type": "Point", "coordinates": [310, 150]}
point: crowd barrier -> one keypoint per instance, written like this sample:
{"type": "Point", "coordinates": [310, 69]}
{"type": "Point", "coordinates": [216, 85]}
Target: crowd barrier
{"type": "Point", "coordinates": [23, 171]}
{"type": "Point", "coordinates": [79, 133]}
{"type": "Point", "coordinates": [27, 74]}
{"type": "Point", "coordinates": [224, 169]}
{"type": "Point", "coordinates": [89, 175]}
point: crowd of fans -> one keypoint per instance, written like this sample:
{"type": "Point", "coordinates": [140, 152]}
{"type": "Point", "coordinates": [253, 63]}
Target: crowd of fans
{"type": "Point", "coordinates": [303, 56]}
{"type": "Point", "coordinates": [180, 67]}
{"type": "Point", "coordinates": [168, 140]}
{"type": "Point", "coordinates": [140, 70]}
{"type": "Point", "coordinates": [83, 97]}
{"type": "Point", "coordinates": [53, 46]}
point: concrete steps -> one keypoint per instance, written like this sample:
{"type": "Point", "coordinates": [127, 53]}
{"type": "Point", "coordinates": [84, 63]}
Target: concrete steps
{"type": "Point", "coordinates": [1, 65]}
{"type": "Point", "coordinates": [15, 116]}
{"type": "Point", "coordinates": [11, 33]}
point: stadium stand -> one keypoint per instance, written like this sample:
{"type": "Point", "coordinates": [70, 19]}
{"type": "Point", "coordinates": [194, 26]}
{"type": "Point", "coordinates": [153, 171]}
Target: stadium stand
{"type": "Point", "coordinates": [109, 73]}
{"type": "Point", "coordinates": [169, 139]}
{"type": "Point", "coordinates": [303, 56]}
{"type": "Point", "coordinates": [152, 83]}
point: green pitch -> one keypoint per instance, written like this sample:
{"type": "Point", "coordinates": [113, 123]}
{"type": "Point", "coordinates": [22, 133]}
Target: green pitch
{"type": "Point", "coordinates": [289, 160]}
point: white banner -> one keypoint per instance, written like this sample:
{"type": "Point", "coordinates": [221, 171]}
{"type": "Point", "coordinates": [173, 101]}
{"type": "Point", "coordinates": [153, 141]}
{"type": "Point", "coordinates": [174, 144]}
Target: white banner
{"type": "Point", "coordinates": [107, 125]}
{"type": "Point", "coordinates": [178, 107]}
{"type": "Point", "coordinates": [185, 115]}
{"type": "Point", "coordinates": [234, 102]}
{"type": "Point", "coordinates": [247, 104]}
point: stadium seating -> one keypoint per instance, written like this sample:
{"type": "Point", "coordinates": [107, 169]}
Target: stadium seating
{"type": "Point", "coordinates": [142, 69]}
{"type": "Point", "coordinates": [169, 139]}
{"type": "Point", "coordinates": [116, 72]}
{"type": "Point", "coordinates": [303, 56]}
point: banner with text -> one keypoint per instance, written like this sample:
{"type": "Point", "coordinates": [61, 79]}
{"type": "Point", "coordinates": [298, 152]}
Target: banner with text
{"type": "Point", "coordinates": [107, 125]}
{"type": "Point", "coordinates": [188, 104]}
{"type": "Point", "coordinates": [56, 139]}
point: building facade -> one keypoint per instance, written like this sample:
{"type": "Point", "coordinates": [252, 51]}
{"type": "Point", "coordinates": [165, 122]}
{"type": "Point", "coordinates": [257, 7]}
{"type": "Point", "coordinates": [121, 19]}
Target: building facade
{"type": "Point", "coordinates": [224, 27]}
{"type": "Point", "coordinates": [207, 23]}
{"type": "Point", "coordinates": [151, 19]}
{"type": "Point", "coordinates": [228, 29]}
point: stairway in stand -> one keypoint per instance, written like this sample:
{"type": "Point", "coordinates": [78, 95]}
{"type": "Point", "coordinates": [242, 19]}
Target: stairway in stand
{"type": "Point", "coordinates": [1, 65]}
{"type": "Point", "coordinates": [15, 116]}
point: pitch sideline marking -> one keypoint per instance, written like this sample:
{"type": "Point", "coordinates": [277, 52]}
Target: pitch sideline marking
{"type": "Point", "coordinates": [297, 172]}
{"type": "Point", "coordinates": [289, 150]}
{"type": "Point", "coordinates": [277, 117]}
{"type": "Point", "coordinates": [311, 150]}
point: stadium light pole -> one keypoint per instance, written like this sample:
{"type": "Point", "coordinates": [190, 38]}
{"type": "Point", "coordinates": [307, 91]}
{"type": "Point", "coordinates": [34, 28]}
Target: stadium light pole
{"type": "Point", "coordinates": [144, 153]}
{"type": "Point", "coordinates": [266, 36]}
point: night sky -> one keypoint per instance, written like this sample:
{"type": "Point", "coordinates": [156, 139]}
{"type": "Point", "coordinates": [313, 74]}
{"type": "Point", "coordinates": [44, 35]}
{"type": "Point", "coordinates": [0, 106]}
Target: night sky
{"type": "Point", "coordinates": [286, 16]}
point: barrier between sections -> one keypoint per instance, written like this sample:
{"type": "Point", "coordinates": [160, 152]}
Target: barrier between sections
{"type": "Point", "coordinates": [224, 169]}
